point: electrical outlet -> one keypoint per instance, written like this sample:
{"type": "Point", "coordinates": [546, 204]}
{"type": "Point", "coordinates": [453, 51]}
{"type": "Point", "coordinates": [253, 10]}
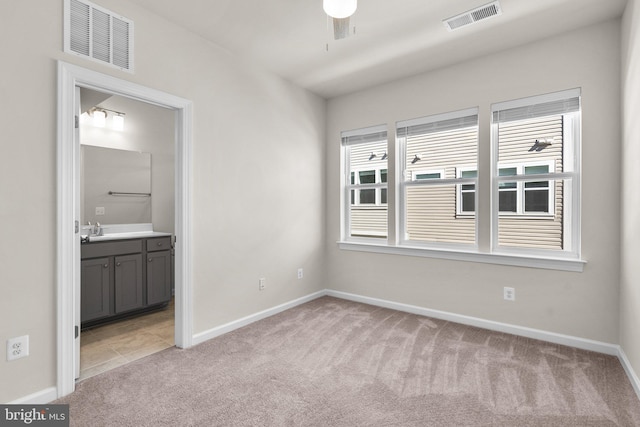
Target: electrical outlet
{"type": "Point", "coordinates": [100, 210]}
{"type": "Point", "coordinates": [300, 273]}
{"type": "Point", "coordinates": [262, 283]}
{"type": "Point", "coordinates": [17, 347]}
{"type": "Point", "coordinates": [509, 294]}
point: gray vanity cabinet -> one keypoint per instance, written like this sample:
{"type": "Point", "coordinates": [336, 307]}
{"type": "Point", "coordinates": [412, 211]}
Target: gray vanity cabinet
{"type": "Point", "coordinates": [158, 270]}
{"type": "Point", "coordinates": [95, 279]}
{"type": "Point", "coordinates": [128, 283]}
{"type": "Point", "coordinates": [123, 277]}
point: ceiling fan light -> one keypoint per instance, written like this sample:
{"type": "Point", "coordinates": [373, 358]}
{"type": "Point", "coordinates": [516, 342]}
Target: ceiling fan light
{"type": "Point", "coordinates": [339, 8]}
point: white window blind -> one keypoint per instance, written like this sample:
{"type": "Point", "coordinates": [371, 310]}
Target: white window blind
{"type": "Point", "coordinates": [544, 105]}
{"type": "Point", "coordinates": [365, 135]}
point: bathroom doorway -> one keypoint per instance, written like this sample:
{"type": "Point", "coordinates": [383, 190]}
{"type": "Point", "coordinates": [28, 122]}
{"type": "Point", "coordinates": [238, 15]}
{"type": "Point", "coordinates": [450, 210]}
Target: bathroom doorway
{"type": "Point", "coordinates": [127, 162]}
{"type": "Point", "coordinates": [70, 79]}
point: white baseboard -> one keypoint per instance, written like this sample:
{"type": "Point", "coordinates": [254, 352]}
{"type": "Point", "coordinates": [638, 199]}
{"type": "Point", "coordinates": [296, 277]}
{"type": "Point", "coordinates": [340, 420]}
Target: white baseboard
{"type": "Point", "coordinates": [41, 397]}
{"type": "Point", "coordinates": [552, 337]}
{"type": "Point", "coordinates": [631, 374]}
{"type": "Point", "coordinates": [228, 327]}
{"type": "Point", "coordinates": [49, 394]}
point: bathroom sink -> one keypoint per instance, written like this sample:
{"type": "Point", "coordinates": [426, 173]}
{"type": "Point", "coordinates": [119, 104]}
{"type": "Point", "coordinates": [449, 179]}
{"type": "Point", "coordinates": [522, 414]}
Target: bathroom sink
{"type": "Point", "coordinates": [125, 235]}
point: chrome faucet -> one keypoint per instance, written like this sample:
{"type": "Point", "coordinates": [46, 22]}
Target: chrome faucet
{"type": "Point", "coordinates": [95, 230]}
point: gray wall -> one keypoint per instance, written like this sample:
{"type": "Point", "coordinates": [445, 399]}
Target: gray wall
{"type": "Point", "coordinates": [258, 162]}
{"type": "Point", "coordinates": [579, 304]}
{"type": "Point", "coordinates": [630, 277]}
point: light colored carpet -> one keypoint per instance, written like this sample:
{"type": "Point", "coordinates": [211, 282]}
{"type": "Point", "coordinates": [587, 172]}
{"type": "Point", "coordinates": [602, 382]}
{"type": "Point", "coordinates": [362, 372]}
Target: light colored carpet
{"type": "Point", "coordinates": [332, 362]}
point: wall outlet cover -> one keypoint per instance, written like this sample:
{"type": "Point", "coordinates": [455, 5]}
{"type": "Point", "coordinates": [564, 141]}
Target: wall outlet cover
{"type": "Point", "coordinates": [17, 347]}
{"type": "Point", "coordinates": [509, 294]}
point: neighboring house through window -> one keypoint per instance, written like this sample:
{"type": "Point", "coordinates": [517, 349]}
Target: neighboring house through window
{"type": "Point", "coordinates": [365, 164]}
{"type": "Point", "coordinates": [531, 192]}
{"type": "Point", "coordinates": [536, 173]}
{"type": "Point", "coordinates": [431, 148]}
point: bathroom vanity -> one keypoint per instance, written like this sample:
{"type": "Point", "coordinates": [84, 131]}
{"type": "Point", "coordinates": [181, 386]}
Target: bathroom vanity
{"type": "Point", "coordinates": [124, 274]}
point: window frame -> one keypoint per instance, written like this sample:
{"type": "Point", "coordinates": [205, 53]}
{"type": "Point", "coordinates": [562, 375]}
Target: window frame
{"type": "Point", "coordinates": [357, 187]}
{"type": "Point", "coordinates": [485, 193]}
{"type": "Point", "coordinates": [459, 190]}
{"type": "Point", "coordinates": [440, 172]}
{"type": "Point", "coordinates": [378, 134]}
{"type": "Point", "coordinates": [521, 188]}
{"type": "Point", "coordinates": [571, 175]}
{"type": "Point", "coordinates": [407, 179]}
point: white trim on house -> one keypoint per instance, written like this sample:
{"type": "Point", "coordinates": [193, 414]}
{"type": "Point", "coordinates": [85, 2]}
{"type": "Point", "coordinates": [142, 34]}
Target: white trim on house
{"type": "Point", "coordinates": [68, 256]}
{"type": "Point", "coordinates": [520, 189]}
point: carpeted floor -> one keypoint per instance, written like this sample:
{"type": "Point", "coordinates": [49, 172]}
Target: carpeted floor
{"type": "Point", "coordinates": [332, 362]}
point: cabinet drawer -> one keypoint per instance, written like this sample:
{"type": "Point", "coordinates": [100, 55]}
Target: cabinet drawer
{"type": "Point", "coordinates": [103, 249]}
{"type": "Point", "coordinates": [159, 244]}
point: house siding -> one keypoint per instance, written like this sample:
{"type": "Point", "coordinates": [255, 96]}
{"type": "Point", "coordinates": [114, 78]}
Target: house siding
{"type": "Point", "coordinates": [432, 214]}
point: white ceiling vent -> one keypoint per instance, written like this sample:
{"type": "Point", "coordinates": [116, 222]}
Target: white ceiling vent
{"type": "Point", "coordinates": [96, 33]}
{"type": "Point", "coordinates": [472, 16]}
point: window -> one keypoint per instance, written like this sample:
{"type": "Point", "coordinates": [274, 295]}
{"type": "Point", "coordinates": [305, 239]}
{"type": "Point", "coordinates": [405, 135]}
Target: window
{"type": "Point", "coordinates": [420, 175]}
{"type": "Point", "coordinates": [365, 166]}
{"type": "Point", "coordinates": [514, 198]}
{"type": "Point", "coordinates": [525, 198]}
{"type": "Point", "coordinates": [369, 196]}
{"type": "Point", "coordinates": [524, 195]}
{"type": "Point", "coordinates": [431, 148]}
{"type": "Point", "coordinates": [536, 174]}
{"type": "Point", "coordinates": [466, 192]}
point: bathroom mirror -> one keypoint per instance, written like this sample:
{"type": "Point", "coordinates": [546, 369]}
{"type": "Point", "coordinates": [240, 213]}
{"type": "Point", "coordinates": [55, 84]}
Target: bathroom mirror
{"type": "Point", "coordinates": [115, 186]}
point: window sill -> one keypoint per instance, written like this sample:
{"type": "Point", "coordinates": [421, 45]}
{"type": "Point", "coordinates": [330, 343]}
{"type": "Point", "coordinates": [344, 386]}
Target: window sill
{"type": "Point", "coordinates": [549, 263]}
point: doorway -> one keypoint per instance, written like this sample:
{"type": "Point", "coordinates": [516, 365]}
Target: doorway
{"type": "Point", "coordinates": [70, 78]}
{"type": "Point", "coordinates": [127, 157]}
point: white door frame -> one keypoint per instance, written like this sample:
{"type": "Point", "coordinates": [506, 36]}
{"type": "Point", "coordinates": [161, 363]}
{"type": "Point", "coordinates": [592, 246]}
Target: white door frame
{"type": "Point", "coordinates": [68, 202]}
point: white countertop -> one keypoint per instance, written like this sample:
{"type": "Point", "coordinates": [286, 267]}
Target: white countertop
{"type": "Point", "coordinates": [121, 232]}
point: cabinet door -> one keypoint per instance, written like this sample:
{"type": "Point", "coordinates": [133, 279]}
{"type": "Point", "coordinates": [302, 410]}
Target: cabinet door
{"type": "Point", "coordinates": [158, 277]}
{"type": "Point", "coordinates": [128, 282]}
{"type": "Point", "coordinates": [94, 289]}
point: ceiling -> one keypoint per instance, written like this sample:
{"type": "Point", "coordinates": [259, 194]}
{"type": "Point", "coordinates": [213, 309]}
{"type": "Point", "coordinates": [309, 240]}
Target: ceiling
{"type": "Point", "coordinates": [394, 38]}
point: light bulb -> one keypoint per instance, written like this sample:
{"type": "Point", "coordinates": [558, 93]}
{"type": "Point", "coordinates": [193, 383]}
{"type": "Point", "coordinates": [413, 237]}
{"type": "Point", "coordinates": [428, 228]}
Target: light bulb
{"type": "Point", "coordinates": [118, 121]}
{"type": "Point", "coordinates": [99, 118]}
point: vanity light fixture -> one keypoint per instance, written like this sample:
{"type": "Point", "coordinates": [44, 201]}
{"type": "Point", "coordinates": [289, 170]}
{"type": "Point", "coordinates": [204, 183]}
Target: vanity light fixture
{"type": "Point", "coordinates": [118, 121]}
{"type": "Point", "coordinates": [99, 118]}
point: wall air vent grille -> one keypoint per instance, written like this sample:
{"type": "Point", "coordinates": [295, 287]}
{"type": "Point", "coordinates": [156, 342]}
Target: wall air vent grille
{"type": "Point", "coordinates": [472, 16]}
{"type": "Point", "coordinates": [98, 34]}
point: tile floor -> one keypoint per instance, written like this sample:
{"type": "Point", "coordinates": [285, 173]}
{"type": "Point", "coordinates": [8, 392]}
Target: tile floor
{"type": "Point", "coordinates": [109, 346]}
